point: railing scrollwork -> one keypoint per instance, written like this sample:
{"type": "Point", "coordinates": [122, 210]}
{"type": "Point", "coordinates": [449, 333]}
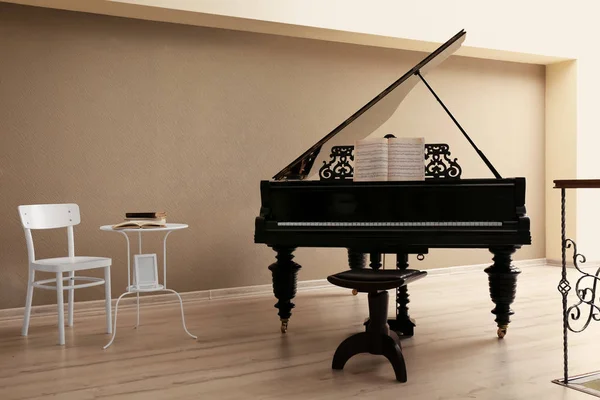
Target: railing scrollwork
{"type": "Point", "coordinates": [585, 310]}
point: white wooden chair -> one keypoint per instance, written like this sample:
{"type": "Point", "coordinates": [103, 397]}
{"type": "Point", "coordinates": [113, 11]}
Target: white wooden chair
{"type": "Point", "coordinates": [52, 216]}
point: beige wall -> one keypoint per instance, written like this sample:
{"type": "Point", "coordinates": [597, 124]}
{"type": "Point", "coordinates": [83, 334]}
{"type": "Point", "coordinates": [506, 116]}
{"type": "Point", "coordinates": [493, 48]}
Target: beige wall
{"type": "Point", "coordinates": [561, 152]}
{"type": "Point", "coordinates": [122, 115]}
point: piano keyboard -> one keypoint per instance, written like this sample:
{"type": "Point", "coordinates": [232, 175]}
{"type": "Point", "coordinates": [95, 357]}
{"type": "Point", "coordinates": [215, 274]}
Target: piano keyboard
{"type": "Point", "coordinates": [402, 224]}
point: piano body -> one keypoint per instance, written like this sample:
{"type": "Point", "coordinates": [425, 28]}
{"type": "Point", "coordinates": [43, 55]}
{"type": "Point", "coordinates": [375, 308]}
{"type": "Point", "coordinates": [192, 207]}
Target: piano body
{"type": "Point", "coordinates": [402, 218]}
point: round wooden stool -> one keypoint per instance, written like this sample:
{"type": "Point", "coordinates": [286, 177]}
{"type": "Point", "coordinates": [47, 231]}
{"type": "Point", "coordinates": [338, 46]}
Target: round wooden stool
{"type": "Point", "coordinates": [378, 339]}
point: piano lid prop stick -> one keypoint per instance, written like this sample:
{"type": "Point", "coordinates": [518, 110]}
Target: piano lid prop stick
{"type": "Point", "coordinates": [483, 157]}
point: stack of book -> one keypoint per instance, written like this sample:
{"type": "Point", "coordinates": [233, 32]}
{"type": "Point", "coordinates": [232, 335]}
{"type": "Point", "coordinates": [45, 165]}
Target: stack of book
{"type": "Point", "coordinates": [141, 220]}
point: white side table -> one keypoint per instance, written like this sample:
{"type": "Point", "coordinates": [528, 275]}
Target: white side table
{"type": "Point", "coordinates": [133, 289]}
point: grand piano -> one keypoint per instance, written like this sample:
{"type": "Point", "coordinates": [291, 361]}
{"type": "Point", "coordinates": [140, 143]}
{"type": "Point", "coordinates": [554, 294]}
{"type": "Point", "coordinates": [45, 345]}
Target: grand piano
{"type": "Point", "coordinates": [306, 206]}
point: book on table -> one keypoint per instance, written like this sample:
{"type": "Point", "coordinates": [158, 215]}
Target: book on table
{"type": "Point", "coordinates": [146, 215]}
{"type": "Point", "coordinates": [143, 220]}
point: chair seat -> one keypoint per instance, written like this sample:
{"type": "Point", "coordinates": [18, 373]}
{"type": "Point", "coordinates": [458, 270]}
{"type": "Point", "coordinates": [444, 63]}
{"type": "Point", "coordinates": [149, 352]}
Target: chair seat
{"type": "Point", "coordinates": [366, 280]}
{"type": "Point", "coordinates": [70, 263]}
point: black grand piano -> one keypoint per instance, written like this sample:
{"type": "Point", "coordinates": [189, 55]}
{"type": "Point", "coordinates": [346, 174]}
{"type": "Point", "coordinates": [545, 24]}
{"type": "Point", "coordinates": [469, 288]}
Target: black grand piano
{"type": "Point", "coordinates": [394, 217]}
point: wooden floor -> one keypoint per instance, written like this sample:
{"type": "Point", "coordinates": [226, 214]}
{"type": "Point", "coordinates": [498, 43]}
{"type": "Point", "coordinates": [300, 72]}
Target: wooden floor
{"type": "Point", "coordinates": [240, 353]}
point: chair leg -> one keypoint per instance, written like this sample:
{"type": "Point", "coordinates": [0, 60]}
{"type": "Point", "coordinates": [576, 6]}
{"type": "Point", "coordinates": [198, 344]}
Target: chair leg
{"type": "Point", "coordinates": [61, 310]}
{"type": "Point", "coordinates": [107, 299]}
{"type": "Point", "coordinates": [28, 300]}
{"type": "Point", "coordinates": [71, 297]}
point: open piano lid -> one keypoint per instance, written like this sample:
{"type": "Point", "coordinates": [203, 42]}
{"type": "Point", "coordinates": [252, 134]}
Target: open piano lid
{"type": "Point", "coordinates": [372, 115]}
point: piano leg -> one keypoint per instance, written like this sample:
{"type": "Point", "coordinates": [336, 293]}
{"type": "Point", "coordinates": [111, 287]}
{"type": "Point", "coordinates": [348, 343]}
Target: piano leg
{"type": "Point", "coordinates": [503, 285]}
{"type": "Point", "coordinates": [356, 260]}
{"type": "Point", "coordinates": [403, 325]}
{"type": "Point", "coordinates": [284, 272]}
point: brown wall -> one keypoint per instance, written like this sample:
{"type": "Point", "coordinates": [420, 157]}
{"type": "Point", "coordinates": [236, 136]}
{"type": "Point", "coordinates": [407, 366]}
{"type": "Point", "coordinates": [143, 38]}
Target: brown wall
{"type": "Point", "coordinates": [119, 115]}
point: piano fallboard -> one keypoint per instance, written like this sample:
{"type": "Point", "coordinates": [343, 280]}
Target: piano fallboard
{"type": "Point", "coordinates": [415, 215]}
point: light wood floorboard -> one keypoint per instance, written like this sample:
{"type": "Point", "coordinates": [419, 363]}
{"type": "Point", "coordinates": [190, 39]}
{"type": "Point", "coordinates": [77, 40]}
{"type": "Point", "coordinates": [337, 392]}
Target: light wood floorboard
{"type": "Point", "coordinates": [241, 354]}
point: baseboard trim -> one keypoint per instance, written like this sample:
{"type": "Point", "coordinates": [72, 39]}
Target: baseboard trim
{"type": "Point", "coordinates": [97, 306]}
{"type": "Point", "coordinates": [569, 263]}
{"type": "Point", "coordinates": [461, 269]}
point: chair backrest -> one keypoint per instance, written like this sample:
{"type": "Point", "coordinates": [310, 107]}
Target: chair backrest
{"type": "Point", "coordinates": [49, 216]}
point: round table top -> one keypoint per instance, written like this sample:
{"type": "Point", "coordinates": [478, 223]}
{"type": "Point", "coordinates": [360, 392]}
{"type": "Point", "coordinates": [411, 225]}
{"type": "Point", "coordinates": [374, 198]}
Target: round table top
{"type": "Point", "coordinates": [169, 227]}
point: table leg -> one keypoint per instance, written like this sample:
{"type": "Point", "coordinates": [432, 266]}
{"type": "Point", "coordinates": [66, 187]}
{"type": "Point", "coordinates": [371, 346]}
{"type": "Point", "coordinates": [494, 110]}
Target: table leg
{"type": "Point", "coordinates": [138, 311]}
{"type": "Point", "coordinates": [171, 290]}
{"type": "Point", "coordinates": [182, 316]}
{"type": "Point", "coordinates": [115, 323]}
{"type": "Point", "coordinates": [165, 259]}
{"type": "Point", "coordinates": [128, 259]}
{"type": "Point", "coordinates": [138, 294]}
{"type": "Point", "coordinates": [129, 283]}
{"type": "Point", "coordinates": [114, 333]}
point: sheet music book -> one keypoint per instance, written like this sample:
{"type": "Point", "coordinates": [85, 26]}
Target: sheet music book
{"type": "Point", "coordinates": [392, 159]}
{"type": "Point", "coordinates": [371, 158]}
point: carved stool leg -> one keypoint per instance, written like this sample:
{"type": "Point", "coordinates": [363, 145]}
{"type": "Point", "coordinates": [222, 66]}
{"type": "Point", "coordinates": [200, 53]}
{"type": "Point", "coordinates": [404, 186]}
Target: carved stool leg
{"type": "Point", "coordinates": [392, 351]}
{"type": "Point", "coordinates": [363, 343]}
{"type": "Point", "coordinates": [285, 273]}
{"type": "Point", "coordinates": [378, 309]}
{"type": "Point", "coordinates": [377, 340]}
{"type": "Point", "coordinates": [353, 345]}
{"type": "Point", "coordinates": [503, 285]}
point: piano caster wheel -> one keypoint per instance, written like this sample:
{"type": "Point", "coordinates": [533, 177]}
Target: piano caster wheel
{"type": "Point", "coordinates": [284, 326]}
{"type": "Point", "coordinates": [502, 332]}
{"type": "Point", "coordinates": [354, 292]}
